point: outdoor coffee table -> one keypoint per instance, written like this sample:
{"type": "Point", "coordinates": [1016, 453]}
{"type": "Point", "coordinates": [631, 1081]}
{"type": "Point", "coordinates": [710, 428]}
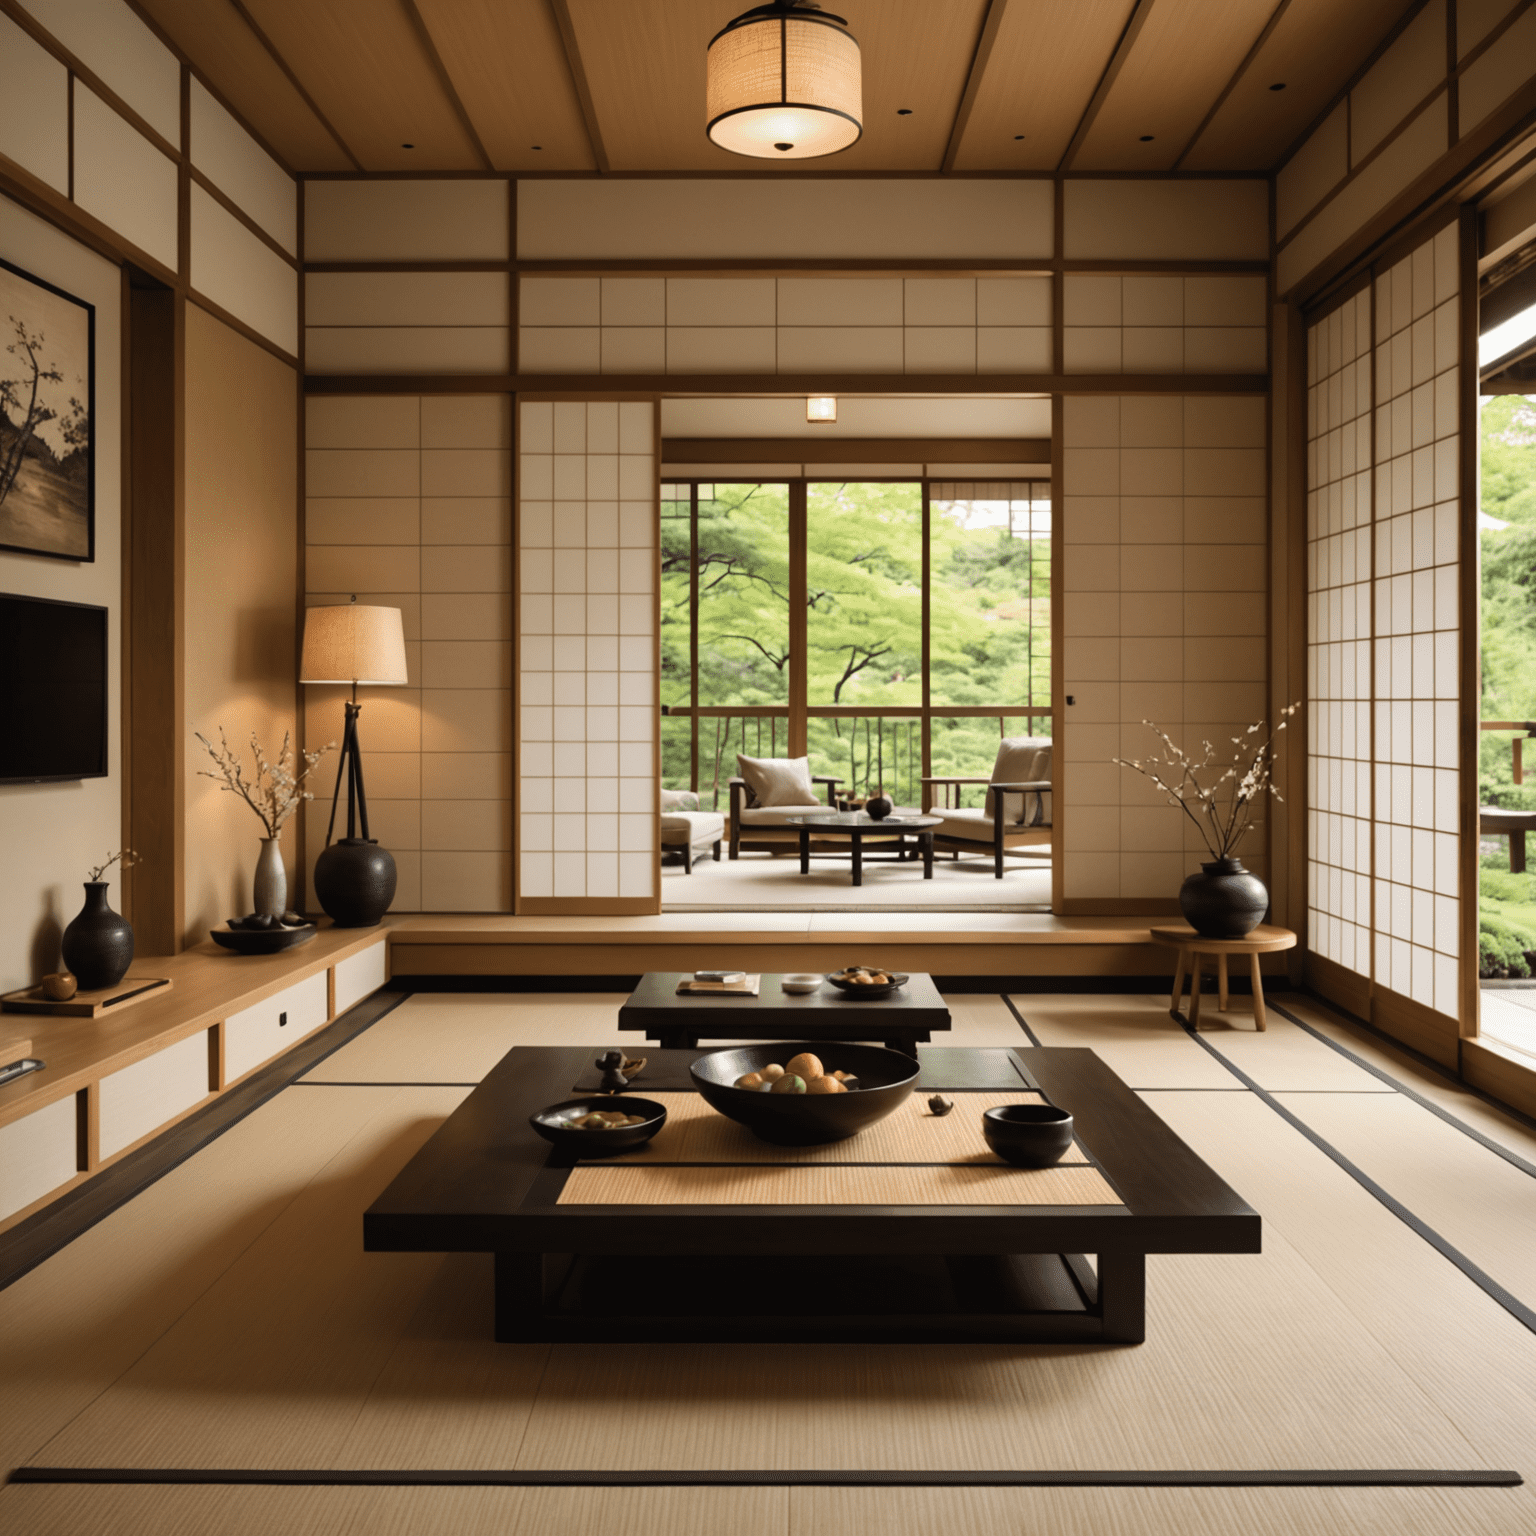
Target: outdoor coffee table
{"type": "Point", "coordinates": [678, 1020]}
{"type": "Point", "coordinates": [910, 1232]}
{"type": "Point", "coordinates": [856, 826]}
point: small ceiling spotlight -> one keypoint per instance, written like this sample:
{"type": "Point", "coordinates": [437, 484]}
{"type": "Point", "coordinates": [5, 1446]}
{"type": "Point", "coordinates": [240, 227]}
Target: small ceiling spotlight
{"type": "Point", "coordinates": [1278, 86]}
{"type": "Point", "coordinates": [1146, 138]}
{"type": "Point", "coordinates": [784, 79]}
{"type": "Point", "coordinates": [1017, 137]}
{"type": "Point", "coordinates": [407, 146]}
{"type": "Point", "coordinates": [903, 111]}
{"type": "Point", "coordinates": [821, 408]}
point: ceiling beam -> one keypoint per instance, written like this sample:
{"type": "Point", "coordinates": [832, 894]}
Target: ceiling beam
{"type": "Point", "coordinates": [984, 41]}
{"type": "Point", "coordinates": [444, 79]}
{"type": "Point", "coordinates": [579, 78]}
{"type": "Point", "coordinates": [1133, 26]}
{"type": "Point", "coordinates": [293, 80]}
{"type": "Point", "coordinates": [1231, 85]}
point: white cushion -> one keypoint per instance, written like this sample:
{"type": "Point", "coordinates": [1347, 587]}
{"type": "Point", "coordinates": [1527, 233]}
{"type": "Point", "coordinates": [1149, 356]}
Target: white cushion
{"type": "Point", "coordinates": [777, 780]}
{"type": "Point", "coordinates": [690, 827]}
{"type": "Point", "coordinates": [778, 815]}
{"type": "Point", "coordinates": [679, 800]}
{"type": "Point", "coordinates": [1022, 760]}
{"type": "Point", "coordinates": [975, 826]}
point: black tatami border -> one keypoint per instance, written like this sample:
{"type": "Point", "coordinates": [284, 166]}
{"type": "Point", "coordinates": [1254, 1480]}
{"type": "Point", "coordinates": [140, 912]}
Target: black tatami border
{"type": "Point", "coordinates": [1283, 1477]}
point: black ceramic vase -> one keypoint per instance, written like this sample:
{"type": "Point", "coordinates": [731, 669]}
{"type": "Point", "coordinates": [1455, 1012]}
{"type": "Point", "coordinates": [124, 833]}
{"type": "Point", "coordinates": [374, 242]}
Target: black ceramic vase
{"type": "Point", "coordinates": [878, 807]}
{"type": "Point", "coordinates": [355, 882]}
{"type": "Point", "coordinates": [1224, 901]}
{"type": "Point", "coordinates": [98, 944]}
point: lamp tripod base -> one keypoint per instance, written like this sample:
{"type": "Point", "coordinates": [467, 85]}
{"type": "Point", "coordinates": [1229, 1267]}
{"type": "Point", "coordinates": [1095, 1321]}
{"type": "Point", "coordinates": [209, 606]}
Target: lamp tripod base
{"type": "Point", "coordinates": [354, 877]}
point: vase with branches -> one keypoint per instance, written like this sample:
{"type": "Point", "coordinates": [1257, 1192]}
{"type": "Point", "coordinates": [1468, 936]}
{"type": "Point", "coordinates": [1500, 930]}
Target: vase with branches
{"type": "Point", "coordinates": [275, 789]}
{"type": "Point", "coordinates": [1222, 796]}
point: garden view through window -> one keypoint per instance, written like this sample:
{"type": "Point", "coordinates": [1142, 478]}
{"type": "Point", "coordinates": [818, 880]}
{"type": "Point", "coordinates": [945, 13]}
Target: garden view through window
{"type": "Point", "coordinates": [888, 629]}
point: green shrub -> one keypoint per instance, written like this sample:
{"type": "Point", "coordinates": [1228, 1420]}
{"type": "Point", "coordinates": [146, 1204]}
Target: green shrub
{"type": "Point", "coordinates": [1503, 948]}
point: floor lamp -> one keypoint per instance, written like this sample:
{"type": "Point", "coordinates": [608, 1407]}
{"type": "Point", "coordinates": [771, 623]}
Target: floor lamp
{"type": "Point", "coordinates": [360, 645]}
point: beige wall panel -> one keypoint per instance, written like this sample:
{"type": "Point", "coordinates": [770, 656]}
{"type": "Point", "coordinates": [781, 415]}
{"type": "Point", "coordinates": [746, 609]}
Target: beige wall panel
{"type": "Point", "coordinates": [240, 274]}
{"type": "Point", "coordinates": [466, 826]}
{"type": "Point", "coordinates": [1167, 220]}
{"type": "Point", "coordinates": [1013, 349]}
{"type": "Point", "coordinates": [1404, 75]}
{"type": "Point", "coordinates": [465, 720]}
{"type": "Point", "coordinates": [458, 220]}
{"type": "Point", "coordinates": [391, 776]}
{"type": "Point", "coordinates": [141, 1098]}
{"type": "Point", "coordinates": [1406, 157]}
{"type": "Point", "coordinates": [561, 300]}
{"type": "Point", "coordinates": [466, 568]}
{"type": "Point", "coordinates": [241, 575]}
{"type": "Point", "coordinates": [465, 472]}
{"type": "Point", "coordinates": [1492, 79]}
{"type": "Point", "coordinates": [722, 349]}
{"type": "Point", "coordinates": [406, 298]}
{"type": "Point", "coordinates": [466, 421]}
{"type": "Point", "coordinates": [1313, 171]}
{"type": "Point", "coordinates": [51, 834]}
{"type": "Point", "coordinates": [466, 882]}
{"type": "Point", "coordinates": [465, 616]}
{"type": "Point", "coordinates": [109, 39]}
{"type": "Point", "coordinates": [391, 719]}
{"type": "Point", "coordinates": [840, 349]}
{"type": "Point", "coordinates": [241, 169]}
{"type": "Point", "coordinates": [1475, 19]}
{"type": "Point", "coordinates": [34, 107]}
{"type": "Point", "coordinates": [832, 301]}
{"type": "Point", "coordinates": [509, 68]}
{"type": "Point", "coordinates": [466, 664]}
{"type": "Point", "coordinates": [1226, 349]}
{"type": "Point", "coordinates": [830, 219]}
{"type": "Point", "coordinates": [362, 472]}
{"type": "Point", "coordinates": [939, 301]}
{"type": "Point", "coordinates": [37, 1154]}
{"type": "Point", "coordinates": [122, 179]}
{"type": "Point", "coordinates": [732, 301]}
{"type": "Point", "coordinates": [1224, 298]}
{"type": "Point", "coordinates": [362, 520]}
{"type": "Point", "coordinates": [939, 349]}
{"type": "Point", "coordinates": [466, 776]}
{"type": "Point", "coordinates": [408, 349]}
{"type": "Point", "coordinates": [1013, 301]}
{"type": "Point", "coordinates": [362, 567]}
{"type": "Point", "coordinates": [559, 349]}
{"type": "Point", "coordinates": [634, 301]}
{"type": "Point", "coordinates": [1010, 129]}
{"type": "Point", "coordinates": [466, 520]}
{"type": "Point", "coordinates": [860, 416]}
{"type": "Point", "coordinates": [633, 349]}
{"type": "Point", "coordinates": [357, 421]}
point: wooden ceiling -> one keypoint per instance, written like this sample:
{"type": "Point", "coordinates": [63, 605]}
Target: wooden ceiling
{"type": "Point", "coordinates": [618, 85]}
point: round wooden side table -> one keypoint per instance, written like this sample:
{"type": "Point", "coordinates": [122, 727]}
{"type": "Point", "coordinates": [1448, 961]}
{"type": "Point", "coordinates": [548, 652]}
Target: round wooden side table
{"type": "Point", "coordinates": [1264, 940]}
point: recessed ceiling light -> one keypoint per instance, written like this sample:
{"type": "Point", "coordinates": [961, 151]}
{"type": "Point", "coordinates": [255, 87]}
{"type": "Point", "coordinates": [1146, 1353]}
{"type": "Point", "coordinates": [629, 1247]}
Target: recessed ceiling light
{"type": "Point", "coordinates": [407, 146]}
{"type": "Point", "coordinates": [903, 111]}
{"type": "Point", "coordinates": [1278, 86]}
{"type": "Point", "coordinates": [1146, 138]}
{"type": "Point", "coordinates": [1017, 137]}
{"type": "Point", "coordinates": [821, 408]}
{"type": "Point", "coordinates": [538, 146]}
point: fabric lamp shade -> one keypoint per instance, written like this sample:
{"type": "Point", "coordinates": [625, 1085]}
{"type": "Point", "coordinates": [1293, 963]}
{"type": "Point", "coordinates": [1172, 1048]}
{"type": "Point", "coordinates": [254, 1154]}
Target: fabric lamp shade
{"type": "Point", "coordinates": [353, 643]}
{"type": "Point", "coordinates": [784, 84]}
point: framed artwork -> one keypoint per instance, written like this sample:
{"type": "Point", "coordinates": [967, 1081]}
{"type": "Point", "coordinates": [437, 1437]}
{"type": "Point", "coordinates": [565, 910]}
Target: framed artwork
{"type": "Point", "coordinates": [47, 419]}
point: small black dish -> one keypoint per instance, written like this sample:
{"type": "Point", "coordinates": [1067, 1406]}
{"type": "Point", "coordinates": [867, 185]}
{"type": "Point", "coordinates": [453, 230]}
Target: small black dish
{"type": "Point", "coordinates": [854, 989]}
{"type": "Point", "coordinates": [802, 1119]}
{"type": "Point", "coordinates": [262, 941]}
{"type": "Point", "coordinates": [550, 1124]}
{"type": "Point", "coordinates": [1028, 1135]}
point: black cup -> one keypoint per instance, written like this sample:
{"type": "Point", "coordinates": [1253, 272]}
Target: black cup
{"type": "Point", "coordinates": [1028, 1135]}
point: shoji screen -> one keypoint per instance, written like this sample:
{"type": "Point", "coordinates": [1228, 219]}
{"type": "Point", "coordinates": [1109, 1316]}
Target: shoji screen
{"type": "Point", "coordinates": [1385, 637]}
{"type": "Point", "coordinates": [587, 635]}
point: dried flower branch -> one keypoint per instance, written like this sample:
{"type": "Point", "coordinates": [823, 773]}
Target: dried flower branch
{"type": "Point", "coordinates": [126, 856]}
{"type": "Point", "coordinates": [1223, 822]}
{"type": "Point", "coordinates": [276, 791]}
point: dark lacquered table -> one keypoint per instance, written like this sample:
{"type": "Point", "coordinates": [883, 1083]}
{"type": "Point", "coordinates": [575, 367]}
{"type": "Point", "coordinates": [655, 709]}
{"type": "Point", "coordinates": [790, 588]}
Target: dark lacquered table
{"type": "Point", "coordinates": [485, 1183]}
{"type": "Point", "coordinates": [856, 826]}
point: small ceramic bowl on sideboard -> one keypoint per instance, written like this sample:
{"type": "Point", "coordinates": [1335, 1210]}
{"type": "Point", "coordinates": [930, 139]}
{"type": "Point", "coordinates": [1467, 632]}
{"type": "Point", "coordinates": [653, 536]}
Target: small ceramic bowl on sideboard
{"type": "Point", "coordinates": [1028, 1135]}
{"type": "Point", "coordinates": [801, 981]}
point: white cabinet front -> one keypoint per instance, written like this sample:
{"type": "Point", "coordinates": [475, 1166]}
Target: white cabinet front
{"type": "Point", "coordinates": [257, 1034]}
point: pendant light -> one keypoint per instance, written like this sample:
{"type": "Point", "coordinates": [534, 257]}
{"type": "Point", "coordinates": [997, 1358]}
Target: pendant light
{"type": "Point", "coordinates": [785, 83]}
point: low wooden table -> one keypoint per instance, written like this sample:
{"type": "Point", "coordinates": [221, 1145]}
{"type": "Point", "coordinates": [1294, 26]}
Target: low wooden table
{"type": "Point", "coordinates": [679, 1020]}
{"type": "Point", "coordinates": [1264, 940]}
{"type": "Point", "coordinates": [856, 826]}
{"type": "Point", "coordinates": [716, 1236]}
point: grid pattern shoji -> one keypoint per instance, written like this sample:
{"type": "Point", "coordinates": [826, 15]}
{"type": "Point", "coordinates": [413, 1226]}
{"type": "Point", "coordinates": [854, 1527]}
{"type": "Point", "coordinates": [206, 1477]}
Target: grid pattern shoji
{"type": "Point", "coordinates": [1417, 307]}
{"type": "Point", "coordinates": [1384, 638]}
{"type": "Point", "coordinates": [1163, 578]}
{"type": "Point", "coordinates": [1339, 420]}
{"type": "Point", "coordinates": [1164, 322]}
{"type": "Point", "coordinates": [408, 505]}
{"type": "Point", "coordinates": [587, 558]}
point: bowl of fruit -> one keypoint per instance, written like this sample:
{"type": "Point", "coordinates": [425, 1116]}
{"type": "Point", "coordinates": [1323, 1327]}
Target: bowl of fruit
{"type": "Point", "coordinates": [600, 1125]}
{"type": "Point", "coordinates": [805, 1095]}
{"type": "Point", "coordinates": [867, 981]}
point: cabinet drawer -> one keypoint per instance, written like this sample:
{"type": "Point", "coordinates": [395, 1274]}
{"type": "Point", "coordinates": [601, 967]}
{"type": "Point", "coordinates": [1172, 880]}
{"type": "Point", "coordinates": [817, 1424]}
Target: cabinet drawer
{"type": "Point", "coordinates": [255, 1035]}
{"type": "Point", "coordinates": [360, 976]}
{"type": "Point", "coordinates": [37, 1154]}
{"type": "Point", "coordinates": [141, 1098]}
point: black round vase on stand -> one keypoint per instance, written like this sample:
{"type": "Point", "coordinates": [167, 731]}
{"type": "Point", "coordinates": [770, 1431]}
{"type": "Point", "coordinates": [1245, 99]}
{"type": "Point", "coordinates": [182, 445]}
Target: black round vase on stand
{"type": "Point", "coordinates": [354, 877]}
{"type": "Point", "coordinates": [1224, 901]}
{"type": "Point", "coordinates": [98, 944]}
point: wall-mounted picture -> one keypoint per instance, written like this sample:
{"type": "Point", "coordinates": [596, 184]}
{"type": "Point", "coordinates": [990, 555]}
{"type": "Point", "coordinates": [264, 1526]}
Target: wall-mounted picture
{"type": "Point", "coordinates": [47, 406]}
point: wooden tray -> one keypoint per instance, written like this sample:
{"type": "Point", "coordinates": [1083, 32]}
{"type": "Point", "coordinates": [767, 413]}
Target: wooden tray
{"type": "Point", "coordinates": [88, 1005]}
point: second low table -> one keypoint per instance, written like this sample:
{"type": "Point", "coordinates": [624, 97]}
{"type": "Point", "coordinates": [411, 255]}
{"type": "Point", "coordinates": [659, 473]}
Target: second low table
{"type": "Point", "coordinates": [856, 826]}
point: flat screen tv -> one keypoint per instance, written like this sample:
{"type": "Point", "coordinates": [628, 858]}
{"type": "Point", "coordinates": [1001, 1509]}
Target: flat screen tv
{"type": "Point", "coordinates": [53, 690]}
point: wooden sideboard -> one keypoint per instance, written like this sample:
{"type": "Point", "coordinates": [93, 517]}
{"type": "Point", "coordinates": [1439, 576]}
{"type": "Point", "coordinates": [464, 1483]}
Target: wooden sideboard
{"type": "Point", "coordinates": [113, 1083]}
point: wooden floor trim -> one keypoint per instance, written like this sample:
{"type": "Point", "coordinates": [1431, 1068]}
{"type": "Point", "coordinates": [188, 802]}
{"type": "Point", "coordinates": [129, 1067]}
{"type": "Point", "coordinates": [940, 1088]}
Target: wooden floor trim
{"type": "Point", "coordinates": [1279, 1477]}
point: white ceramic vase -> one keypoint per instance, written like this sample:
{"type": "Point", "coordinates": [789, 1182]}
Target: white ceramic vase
{"type": "Point", "coordinates": [271, 888]}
